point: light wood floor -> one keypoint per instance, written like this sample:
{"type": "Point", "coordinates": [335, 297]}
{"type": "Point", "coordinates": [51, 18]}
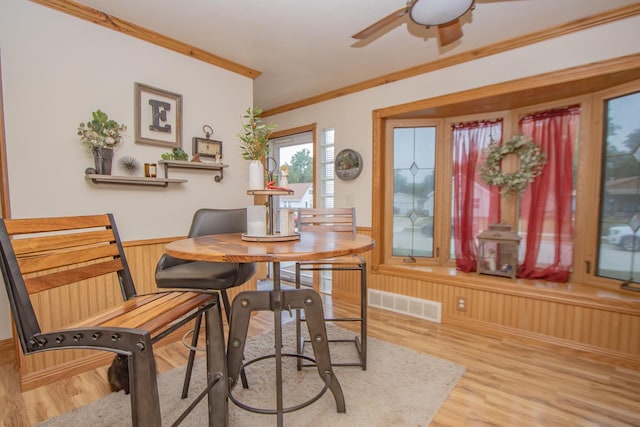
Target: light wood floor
{"type": "Point", "coordinates": [506, 383]}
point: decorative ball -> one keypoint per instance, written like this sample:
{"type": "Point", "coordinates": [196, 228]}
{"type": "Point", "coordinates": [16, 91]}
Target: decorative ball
{"type": "Point", "coordinates": [90, 171]}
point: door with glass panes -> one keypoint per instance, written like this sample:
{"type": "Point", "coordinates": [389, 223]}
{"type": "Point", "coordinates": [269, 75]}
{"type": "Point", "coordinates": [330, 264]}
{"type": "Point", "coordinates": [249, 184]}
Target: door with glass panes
{"type": "Point", "coordinates": [296, 153]}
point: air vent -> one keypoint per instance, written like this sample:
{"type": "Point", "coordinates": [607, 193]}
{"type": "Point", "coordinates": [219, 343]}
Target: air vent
{"type": "Point", "coordinates": [416, 307]}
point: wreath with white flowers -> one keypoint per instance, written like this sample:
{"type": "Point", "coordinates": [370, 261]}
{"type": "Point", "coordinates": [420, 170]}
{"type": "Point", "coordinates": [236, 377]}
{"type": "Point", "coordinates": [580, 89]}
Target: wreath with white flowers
{"type": "Point", "coordinates": [532, 161]}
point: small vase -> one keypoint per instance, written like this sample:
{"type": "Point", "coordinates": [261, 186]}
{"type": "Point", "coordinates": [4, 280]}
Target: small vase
{"type": "Point", "coordinates": [256, 175]}
{"type": "Point", "coordinates": [103, 157]}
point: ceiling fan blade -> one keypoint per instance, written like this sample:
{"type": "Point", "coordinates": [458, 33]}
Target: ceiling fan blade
{"type": "Point", "coordinates": [377, 26]}
{"type": "Point", "coordinates": [449, 32]}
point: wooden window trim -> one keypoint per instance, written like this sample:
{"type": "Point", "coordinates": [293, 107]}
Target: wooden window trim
{"type": "Point", "coordinates": [591, 83]}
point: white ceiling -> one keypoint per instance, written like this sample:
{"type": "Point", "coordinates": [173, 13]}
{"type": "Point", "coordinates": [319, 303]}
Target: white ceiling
{"type": "Point", "coordinates": [304, 48]}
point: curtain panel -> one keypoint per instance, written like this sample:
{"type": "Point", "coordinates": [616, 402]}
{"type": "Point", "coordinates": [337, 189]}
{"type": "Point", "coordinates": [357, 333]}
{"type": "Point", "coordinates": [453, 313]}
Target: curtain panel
{"type": "Point", "coordinates": [546, 207]}
{"type": "Point", "coordinates": [475, 204]}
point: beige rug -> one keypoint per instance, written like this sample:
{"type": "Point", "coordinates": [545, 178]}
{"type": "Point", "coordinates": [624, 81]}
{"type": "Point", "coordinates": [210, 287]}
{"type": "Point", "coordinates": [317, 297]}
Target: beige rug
{"type": "Point", "coordinates": [400, 387]}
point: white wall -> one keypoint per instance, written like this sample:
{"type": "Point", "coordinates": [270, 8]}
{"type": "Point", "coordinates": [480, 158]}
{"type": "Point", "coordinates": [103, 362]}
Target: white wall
{"type": "Point", "coordinates": [56, 70]}
{"type": "Point", "coordinates": [350, 115]}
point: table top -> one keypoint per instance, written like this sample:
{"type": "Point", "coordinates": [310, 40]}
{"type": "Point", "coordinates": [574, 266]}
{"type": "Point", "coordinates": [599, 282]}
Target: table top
{"type": "Point", "coordinates": [231, 248]}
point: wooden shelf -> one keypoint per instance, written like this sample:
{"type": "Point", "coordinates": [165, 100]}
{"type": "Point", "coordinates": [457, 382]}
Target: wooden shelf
{"type": "Point", "coordinates": [185, 164]}
{"type": "Point", "coordinates": [132, 180]}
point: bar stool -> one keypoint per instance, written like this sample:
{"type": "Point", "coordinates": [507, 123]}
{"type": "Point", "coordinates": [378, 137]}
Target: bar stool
{"type": "Point", "coordinates": [334, 220]}
{"type": "Point", "coordinates": [218, 276]}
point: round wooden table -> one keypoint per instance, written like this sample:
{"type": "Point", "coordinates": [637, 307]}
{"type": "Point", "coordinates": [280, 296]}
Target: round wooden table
{"type": "Point", "coordinates": [310, 246]}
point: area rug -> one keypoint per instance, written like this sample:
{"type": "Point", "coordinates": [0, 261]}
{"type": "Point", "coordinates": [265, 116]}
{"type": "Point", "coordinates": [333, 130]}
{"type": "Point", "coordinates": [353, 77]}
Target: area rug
{"type": "Point", "coordinates": [400, 387]}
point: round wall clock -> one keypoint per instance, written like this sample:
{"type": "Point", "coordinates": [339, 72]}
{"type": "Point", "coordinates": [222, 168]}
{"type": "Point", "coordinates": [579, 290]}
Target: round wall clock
{"type": "Point", "coordinates": [348, 164]}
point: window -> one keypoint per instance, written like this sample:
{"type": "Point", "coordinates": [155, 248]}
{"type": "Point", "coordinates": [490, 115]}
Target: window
{"type": "Point", "coordinates": [597, 138]}
{"type": "Point", "coordinates": [326, 168]}
{"type": "Point", "coordinates": [619, 237]}
{"type": "Point", "coordinates": [417, 226]}
{"type": "Point", "coordinates": [414, 195]}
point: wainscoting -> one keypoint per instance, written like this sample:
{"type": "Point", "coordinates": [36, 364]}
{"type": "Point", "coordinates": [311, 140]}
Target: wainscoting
{"type": "Point", "coordinates": [70, 303]}
{"type": "Point", "coordinates": [602, 324]}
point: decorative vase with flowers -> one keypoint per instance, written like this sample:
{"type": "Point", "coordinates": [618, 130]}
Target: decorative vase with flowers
{"type": "Point", "coordinates": [254, 145]}
{"type": "Point", "coordinates": [100, 136]}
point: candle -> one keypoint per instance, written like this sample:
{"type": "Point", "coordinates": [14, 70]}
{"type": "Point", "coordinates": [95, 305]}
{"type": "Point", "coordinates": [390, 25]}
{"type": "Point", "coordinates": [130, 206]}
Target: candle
{"type": "Point", "coordinates": [492, 260]}
{"type": "Point", "coordinates": [256, 221]}
{"type": "Point", "coordinates": [287, 222]}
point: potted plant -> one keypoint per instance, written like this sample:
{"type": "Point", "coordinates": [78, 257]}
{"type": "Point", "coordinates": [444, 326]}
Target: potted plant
{"type": "Point", "coordinates": [254, 145]}
{"type": "Point", "coordinates": [100, 135]}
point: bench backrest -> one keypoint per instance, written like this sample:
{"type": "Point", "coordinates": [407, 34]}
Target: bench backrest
{"type": "Point", "coordinates": [39, 254]}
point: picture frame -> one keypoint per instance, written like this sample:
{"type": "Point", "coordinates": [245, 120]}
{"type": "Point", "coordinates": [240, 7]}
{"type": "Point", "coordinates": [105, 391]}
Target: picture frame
{"type": "Point", "coordinates": [158, 117]}
{"type": "Point", "coordinates": [207, 147]}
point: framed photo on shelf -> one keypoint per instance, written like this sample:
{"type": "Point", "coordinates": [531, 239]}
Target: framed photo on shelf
{"type": "Point", "coordinates": [158, 117]}
{"type": "Point", "coordinates": [207, 147]}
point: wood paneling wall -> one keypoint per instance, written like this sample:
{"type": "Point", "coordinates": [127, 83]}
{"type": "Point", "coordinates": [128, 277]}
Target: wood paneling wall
{"type": "Point", "coordinates": [599, 324]}
{"type": "Point", "coordinates": [63, 305]}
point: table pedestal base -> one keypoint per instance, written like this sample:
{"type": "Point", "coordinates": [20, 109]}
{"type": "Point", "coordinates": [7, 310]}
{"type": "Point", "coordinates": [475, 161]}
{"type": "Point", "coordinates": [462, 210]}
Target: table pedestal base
{"type": "Point", "coordinates": [277, 300]}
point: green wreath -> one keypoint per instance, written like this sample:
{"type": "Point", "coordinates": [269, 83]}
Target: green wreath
{"type": "Point", "coordinates": [532, 161]}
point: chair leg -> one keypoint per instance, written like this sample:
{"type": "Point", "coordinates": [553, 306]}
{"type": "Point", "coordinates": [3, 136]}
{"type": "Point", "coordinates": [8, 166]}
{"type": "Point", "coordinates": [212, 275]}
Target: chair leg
{"type": "Point", "coordinates": [194, 344]}
{"type": "Point", "coordinates": [360, 340]}
{"type": "Point", "coordinates": [218, 395]}
{"type": "Point", "coordinates": [192, 357]}
{"type": "Point", "coordinates": [145, 402]}
{"type": "Point", "coordinates": [363, 315]}
{"type": "Point", "coordinates": [299, 338]}
{"type": "Point", "coordinates": [227, 311]}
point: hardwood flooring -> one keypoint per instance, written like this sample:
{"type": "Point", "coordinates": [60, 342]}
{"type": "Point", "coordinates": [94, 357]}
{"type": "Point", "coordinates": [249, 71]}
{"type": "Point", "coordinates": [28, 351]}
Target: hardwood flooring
{"type": "Point", "coordinates": [506, 383]}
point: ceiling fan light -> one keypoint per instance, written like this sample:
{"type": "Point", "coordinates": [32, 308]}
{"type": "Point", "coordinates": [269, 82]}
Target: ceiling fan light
{"type": "Point", "coordinates": [437, 12]}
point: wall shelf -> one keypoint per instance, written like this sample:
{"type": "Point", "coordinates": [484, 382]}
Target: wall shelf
{"type": "Point", "coordinates": [185, 164]}
{"type": "Point", "coordinates": [132, 180]}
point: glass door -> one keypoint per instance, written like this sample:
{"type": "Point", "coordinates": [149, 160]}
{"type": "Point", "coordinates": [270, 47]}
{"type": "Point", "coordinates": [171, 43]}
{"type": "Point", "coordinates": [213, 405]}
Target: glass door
{"type": "Point", "coordinates": [296, 153]}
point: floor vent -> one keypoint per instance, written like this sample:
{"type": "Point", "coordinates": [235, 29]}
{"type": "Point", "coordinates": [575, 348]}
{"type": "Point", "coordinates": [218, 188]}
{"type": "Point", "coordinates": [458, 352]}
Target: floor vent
{"type": "Point", "coordinates": [416, 307]}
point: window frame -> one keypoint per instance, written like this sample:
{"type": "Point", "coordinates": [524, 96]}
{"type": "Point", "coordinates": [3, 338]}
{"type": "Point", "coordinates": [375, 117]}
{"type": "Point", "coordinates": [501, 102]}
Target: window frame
{"type": "Point", "coordinates": [592, 169]}
{"type": "Point", "coordinates": [588, 175]}
{"type": "Point", "coordinates": [442, 190]}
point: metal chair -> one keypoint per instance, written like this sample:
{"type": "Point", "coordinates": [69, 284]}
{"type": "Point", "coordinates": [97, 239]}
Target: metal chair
{"type": "Point", "coordinates": [334, 220]}
{"type": "Point", "coordinates": [40, 254]}
{"type": "Point", "coordinates": [212, 276]}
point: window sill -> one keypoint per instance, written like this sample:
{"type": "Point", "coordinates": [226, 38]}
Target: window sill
{"type": "Point", "coordinates": [570, 293]}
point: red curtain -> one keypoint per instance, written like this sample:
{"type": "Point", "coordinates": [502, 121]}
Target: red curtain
{"type": "Point", "coordinates": [546, 209]}
{"type": "Point", "coordinates": [475, 204]}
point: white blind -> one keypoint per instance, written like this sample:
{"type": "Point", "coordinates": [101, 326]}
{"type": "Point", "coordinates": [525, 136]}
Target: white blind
{"type": "Point", "coordinates": [326, 168]}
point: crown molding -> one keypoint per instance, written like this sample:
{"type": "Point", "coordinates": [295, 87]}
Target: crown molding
{"type": "Point", "coordinates": [492, 49]}
{"type": "Point", "coordinates": [97, 17]}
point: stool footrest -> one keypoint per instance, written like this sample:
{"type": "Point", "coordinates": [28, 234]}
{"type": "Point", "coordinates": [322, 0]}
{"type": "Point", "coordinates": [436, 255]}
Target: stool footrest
{"type": "Point", "coordinates": [356, 341]}
{"type": "Point", "coordinates": [338, 319]}
{"type": "Point", "coordinates": [327, 384]}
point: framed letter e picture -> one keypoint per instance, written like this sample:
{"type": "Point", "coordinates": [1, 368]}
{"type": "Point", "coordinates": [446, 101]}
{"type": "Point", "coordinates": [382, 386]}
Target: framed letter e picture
{"type": "Point", "coordinates": [158, 117]}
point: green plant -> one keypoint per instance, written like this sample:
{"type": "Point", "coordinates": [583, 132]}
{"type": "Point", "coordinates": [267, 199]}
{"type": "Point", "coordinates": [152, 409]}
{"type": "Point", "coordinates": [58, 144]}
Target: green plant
{"type": "Point", "coordinates": [254, 138]}
{"type": "Point", "coordinates": [100, 131]}
{"type": "Point", "coordinates": [175, 154]}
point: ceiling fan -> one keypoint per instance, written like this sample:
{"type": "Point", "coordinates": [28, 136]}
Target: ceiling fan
{"type": "Point", "coordinates": [444, 14]}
